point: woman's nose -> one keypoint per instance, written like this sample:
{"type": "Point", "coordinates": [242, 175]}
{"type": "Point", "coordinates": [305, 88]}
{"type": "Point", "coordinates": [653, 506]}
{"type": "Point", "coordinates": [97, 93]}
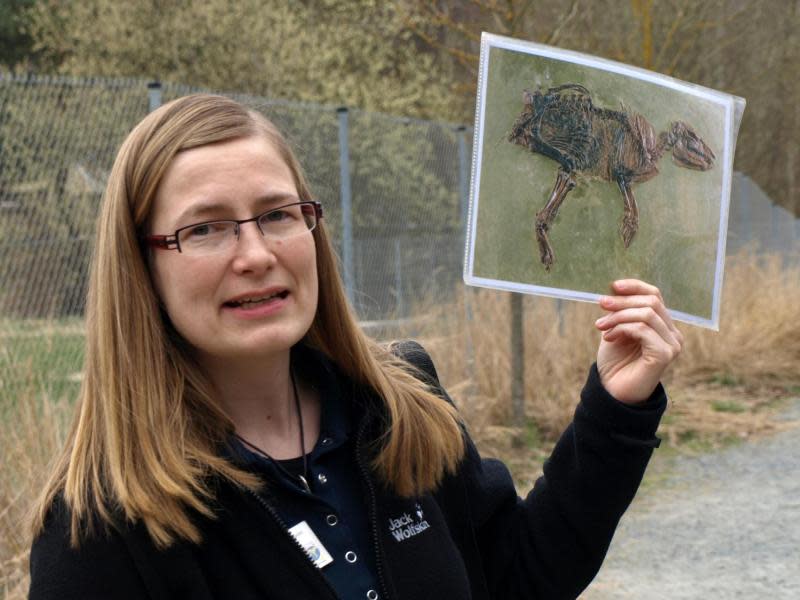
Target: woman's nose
{"type": "Point", "coordinates": [253, 250]}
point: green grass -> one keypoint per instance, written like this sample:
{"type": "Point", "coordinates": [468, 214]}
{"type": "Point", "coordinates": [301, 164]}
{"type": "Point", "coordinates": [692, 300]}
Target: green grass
{"type": "Point", "coordinates": [47, 364]}
{"type": "Point", "coordinates": [529, 437]}
{"type": "Point", "coordinates": [532, 437]}
{"type": "Point", "coordinates": [725, 379]}
{"type": "Point", "coordinates": [728, 406]}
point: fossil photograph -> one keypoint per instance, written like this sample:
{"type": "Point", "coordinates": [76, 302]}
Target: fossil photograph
{"type": "Point", "coordinates": [586, 170]}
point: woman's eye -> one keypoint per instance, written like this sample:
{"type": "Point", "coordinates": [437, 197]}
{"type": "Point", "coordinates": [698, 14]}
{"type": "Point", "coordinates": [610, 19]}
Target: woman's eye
{"type": "Point", "coordinates": [276, 216]}
{"type": "Point", "coordinates": [200, 230]}
{"type": "Point", "coordinates": [207, 229]}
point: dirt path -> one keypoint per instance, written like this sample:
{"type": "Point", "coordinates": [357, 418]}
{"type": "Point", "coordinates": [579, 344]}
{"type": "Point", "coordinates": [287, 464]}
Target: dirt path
{"type": "Point", "coordinates": [721, 525]}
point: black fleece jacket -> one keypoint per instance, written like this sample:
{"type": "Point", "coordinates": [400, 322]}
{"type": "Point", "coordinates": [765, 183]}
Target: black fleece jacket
{"type": "Point", "coordinates": [472, 538]}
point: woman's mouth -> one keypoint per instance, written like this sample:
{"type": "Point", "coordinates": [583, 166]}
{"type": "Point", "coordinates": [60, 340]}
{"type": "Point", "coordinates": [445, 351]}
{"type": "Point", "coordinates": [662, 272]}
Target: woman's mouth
{"type": "Point", "coordinates": [257, 301]}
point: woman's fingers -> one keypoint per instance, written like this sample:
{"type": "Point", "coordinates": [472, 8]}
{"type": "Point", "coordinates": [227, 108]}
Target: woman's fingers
{"type": "Point", "coordinates": [651, 343]}
{"type": "Point", "coordinates": [640, 314]}
{"type": "Point", "coordinates": [653, 301]}
{"type": "Point", "coordinates": [638, 331]}
{"type": "Point", "coordinates": [635, 286]}
{"type": "Point", "coordinates": [638, 301]}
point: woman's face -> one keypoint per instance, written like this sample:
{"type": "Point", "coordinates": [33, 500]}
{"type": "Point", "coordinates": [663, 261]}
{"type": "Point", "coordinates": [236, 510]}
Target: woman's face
{"type": "Point", "coordinates": [255, 299]}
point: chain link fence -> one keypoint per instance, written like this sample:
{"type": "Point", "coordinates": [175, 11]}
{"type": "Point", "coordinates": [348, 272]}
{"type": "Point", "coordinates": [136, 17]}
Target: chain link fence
{"type": "Point", "coordinates": [756, 222]}
{"type": "Point", "coordinates": [394, 192]}
{"type": "Point", "coordinates": [390, 189]}
{"type": "Point", "coordinates": [58, 138]}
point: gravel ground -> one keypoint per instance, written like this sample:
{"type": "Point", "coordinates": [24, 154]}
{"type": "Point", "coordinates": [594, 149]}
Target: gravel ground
{"type": "Point", "coordinates": [721, 525]}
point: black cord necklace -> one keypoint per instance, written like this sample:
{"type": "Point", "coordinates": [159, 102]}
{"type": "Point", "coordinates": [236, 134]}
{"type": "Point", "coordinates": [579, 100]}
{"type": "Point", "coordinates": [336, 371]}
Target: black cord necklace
{"type": "Point", "coordinates": [304, 477]}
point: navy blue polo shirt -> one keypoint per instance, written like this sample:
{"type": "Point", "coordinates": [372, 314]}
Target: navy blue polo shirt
{"type": "Point", "coordinates": [335, 508]}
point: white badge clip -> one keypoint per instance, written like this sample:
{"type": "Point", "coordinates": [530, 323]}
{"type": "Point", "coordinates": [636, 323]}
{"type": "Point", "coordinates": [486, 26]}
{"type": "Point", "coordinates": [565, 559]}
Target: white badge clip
{"type": "Point", "coordinates": [311, 544]}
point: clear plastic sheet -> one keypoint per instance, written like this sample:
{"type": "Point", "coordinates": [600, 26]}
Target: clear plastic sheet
{"type": "Point", "coordinates": [587, 170]}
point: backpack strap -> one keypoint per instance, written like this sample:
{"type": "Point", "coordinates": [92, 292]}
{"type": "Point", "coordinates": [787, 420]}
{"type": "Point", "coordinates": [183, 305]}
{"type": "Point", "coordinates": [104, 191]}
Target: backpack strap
{"type": "Point", "coordinates": [415, 355]}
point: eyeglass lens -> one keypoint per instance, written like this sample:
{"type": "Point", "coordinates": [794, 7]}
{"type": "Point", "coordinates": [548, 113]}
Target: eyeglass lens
{"type": "Point", "coordinates": [280, 223]}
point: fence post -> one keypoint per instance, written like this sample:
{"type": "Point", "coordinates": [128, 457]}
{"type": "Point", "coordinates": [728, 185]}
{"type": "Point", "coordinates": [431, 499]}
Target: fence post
{"type": "Point", "coordinates": [153, 95]}
{"type": "Point", "coordinates": [398, 278]}
{"type": "Point", "coordinates": [560, 315]}
{"type": "Point", "coordinates": [347, 210]}
{"type": "Point", "coordinates": [746, 211]}
{"type": "Point", "coordinates": [776, 220]}
{"type": "Point", "coordinates": [517, 362]}
{"type": "Point", "coordinates": [796, 243]}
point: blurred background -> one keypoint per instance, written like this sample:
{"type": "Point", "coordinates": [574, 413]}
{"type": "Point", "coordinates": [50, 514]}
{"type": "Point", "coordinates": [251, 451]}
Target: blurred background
{"type": "Point", "coordinates": [378, 100]}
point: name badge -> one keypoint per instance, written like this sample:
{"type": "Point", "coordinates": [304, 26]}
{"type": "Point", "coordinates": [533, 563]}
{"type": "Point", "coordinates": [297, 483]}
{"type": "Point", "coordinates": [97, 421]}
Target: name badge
{"type": "Point", "coordinates": [311, 544]}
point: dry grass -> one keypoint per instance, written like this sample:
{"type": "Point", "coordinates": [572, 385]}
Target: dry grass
{"type": "Point", "coordinates": [724, 385]}
{"type": "Point", "coordinates": [760, 323]}
{"type": "Point", "coordinates": [729, 384]}
{"type": "Point", "coordinates": [31, 433]}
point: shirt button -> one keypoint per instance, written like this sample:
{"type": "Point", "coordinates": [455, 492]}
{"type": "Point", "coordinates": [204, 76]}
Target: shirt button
{"type": "Point", "coordinates": [326, 441]}
{"type": "Point", "coordinates": [350, 556]}
{"type": "Point", "coordinates": [372, 595]}
{"type": "Point", "coordinates": [322, 478]}
{"type": "Point", "coordinates": [332, 520]}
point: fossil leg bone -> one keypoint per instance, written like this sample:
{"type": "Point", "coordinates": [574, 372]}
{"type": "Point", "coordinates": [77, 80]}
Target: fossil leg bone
{"type": "Point", "coordinates": [545, 217]}
{"type": "Point", "coordinates": [630, 217]}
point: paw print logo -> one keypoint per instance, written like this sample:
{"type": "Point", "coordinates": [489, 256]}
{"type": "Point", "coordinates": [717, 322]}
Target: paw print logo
{"type": "Point", "coordinates": [418, 509]}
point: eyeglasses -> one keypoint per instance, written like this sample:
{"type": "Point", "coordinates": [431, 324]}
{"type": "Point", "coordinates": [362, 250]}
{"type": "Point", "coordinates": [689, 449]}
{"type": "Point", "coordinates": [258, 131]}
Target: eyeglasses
{"type": "Point", "coordinates": [210, 237]}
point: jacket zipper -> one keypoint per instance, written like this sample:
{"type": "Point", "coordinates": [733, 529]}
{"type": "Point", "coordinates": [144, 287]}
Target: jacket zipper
{"type": "Point", "coordinates": [373, 511]}
{"type": "Point", "coordinates": [278, 519]}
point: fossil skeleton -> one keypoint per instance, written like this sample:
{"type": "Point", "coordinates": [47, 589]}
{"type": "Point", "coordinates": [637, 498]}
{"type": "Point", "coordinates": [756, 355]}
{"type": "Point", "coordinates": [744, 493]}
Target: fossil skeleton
{"type": "Point", "coordinates": [617, 146]}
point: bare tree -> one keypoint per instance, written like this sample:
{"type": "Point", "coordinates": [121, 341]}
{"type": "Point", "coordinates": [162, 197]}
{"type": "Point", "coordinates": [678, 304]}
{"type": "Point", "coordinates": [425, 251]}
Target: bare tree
{"type": "Point", "coordinates": [745, 47]}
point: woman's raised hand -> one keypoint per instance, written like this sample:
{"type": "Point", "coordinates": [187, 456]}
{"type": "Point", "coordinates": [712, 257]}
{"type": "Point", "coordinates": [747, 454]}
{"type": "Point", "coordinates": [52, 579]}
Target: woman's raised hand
{"type": "Point", "coordinates": [639, 340]}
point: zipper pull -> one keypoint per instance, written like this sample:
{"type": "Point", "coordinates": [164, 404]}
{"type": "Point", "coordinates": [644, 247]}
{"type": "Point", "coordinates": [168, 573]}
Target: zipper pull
{"type": "Point", "coordinates": [305, 483]}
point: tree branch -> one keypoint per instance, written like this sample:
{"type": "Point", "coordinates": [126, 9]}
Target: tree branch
{"type": "Point", "coordinates": [552, 39]}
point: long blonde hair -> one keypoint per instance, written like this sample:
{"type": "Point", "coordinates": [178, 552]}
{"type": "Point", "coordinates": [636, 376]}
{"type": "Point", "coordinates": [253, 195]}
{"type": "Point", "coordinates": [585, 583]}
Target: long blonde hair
{"type": "Point", "coordinates": [145, 440]}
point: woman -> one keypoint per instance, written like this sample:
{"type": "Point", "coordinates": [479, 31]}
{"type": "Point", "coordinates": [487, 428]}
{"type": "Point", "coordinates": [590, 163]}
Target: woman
{"type": "Point", "coordinates": [238, 435]}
